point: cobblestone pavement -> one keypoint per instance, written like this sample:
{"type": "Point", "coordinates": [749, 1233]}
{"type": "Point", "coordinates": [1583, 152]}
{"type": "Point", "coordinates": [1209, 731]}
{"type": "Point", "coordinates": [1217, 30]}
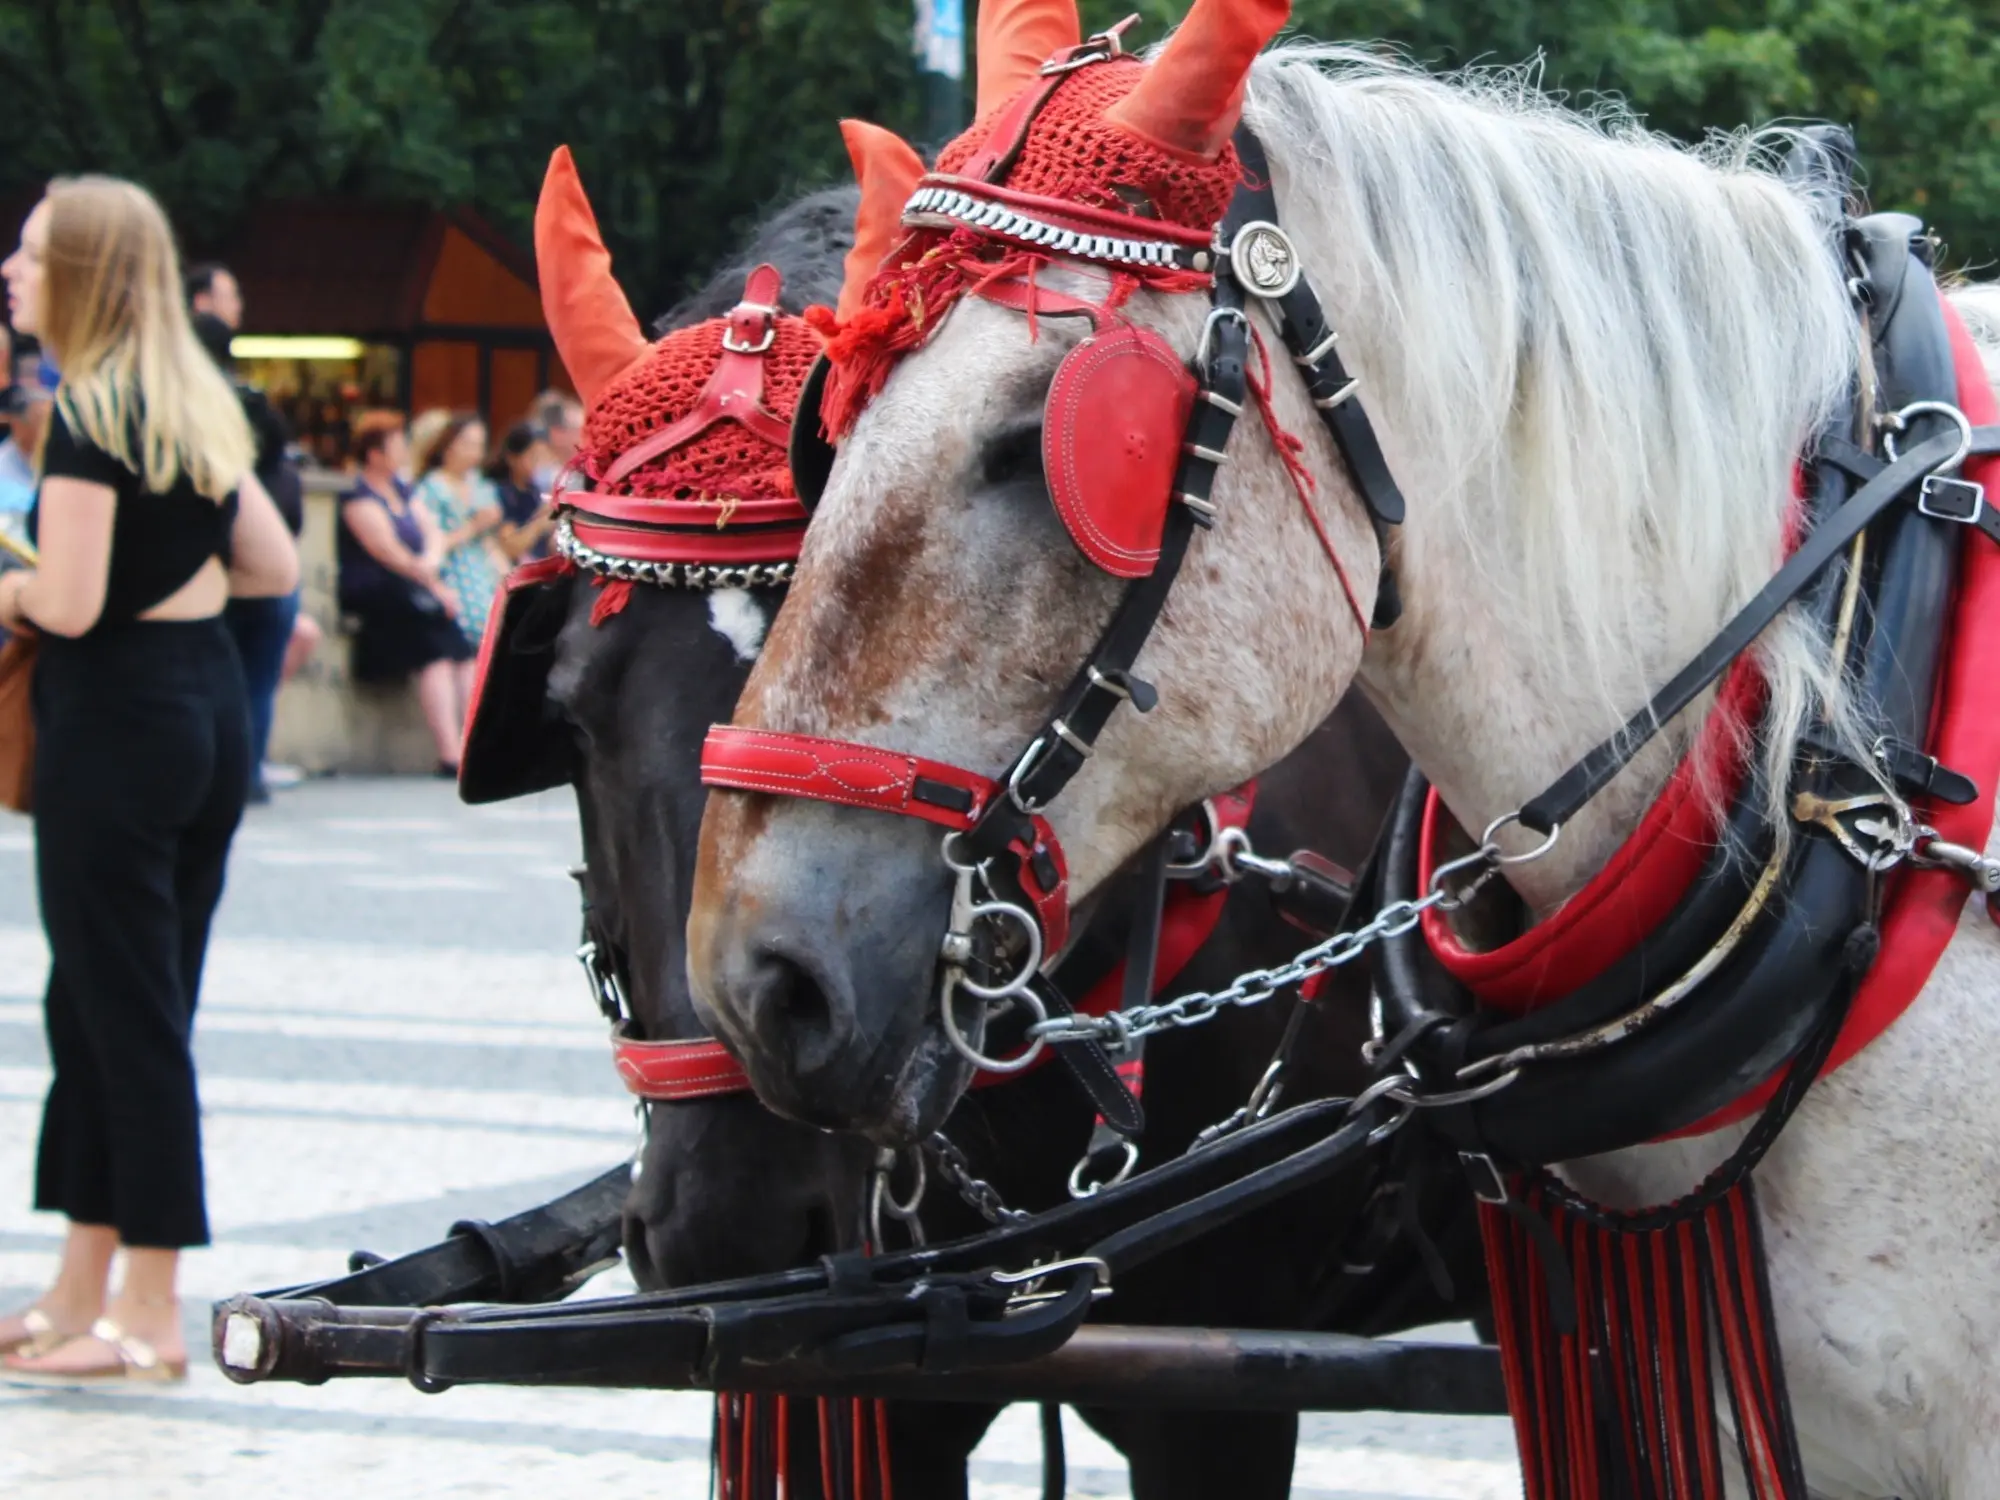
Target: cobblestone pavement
{"type": "Point", "coordinates": [394, 1036]}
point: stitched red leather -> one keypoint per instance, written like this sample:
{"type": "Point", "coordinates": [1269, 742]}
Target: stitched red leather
{"type": "Point", "coordinates": [674, 1072]}
{"type": "Point", "coordinates": [707, 515]}
{"type": "Point", "coordinates": [823, 770]}
{"type": "Point", "coordinates": [1111, 436]}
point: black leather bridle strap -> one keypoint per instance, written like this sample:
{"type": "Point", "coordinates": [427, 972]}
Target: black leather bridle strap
{"type": "Point", "coordinates": [1589, 776]}
{"type": "Point", "coordinates": [1311, 342]}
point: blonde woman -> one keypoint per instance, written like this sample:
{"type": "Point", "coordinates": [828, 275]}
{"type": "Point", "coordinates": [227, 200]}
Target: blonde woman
{"type": "Point", "coordinates": [147, 517]}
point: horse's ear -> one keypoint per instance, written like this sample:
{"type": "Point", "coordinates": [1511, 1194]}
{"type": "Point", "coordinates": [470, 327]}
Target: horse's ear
{"type": "Point", "coordinates": [1013, 40]}
{"type": "Point", "coordinates": [887, 168]}
{"type": "Point", "coordinates": [592, 324]}
{"type": "Point", "coordinates": [1192, 96]}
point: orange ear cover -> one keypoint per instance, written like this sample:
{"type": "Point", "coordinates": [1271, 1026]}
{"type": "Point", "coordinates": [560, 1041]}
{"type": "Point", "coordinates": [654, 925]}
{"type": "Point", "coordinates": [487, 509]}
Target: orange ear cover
{"type": "Point", "coordinates": [887, 168]}
{"type": "Point", "coordinates": [1014, 38]}
{"type": "Point", "coordinates": [593, 325]}
{"type": "Point", "coordinates": [1192, 95]}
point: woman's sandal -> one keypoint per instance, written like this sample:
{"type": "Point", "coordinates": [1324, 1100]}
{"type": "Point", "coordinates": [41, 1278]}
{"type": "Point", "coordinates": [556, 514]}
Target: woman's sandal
{"type": "Point", "coordinates": [133, 1360]}
{"type": "Point", "coordinates": [40, 1336]}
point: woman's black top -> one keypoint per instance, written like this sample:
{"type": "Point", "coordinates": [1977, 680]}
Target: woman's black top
{"type": "Point", "coordinates": [158, 541]}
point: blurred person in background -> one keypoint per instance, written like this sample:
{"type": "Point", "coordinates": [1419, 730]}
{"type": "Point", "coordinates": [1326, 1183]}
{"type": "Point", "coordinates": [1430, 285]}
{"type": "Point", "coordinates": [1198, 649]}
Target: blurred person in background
{"type": "Point", "coordinates": [142, 758]}
{"type": "Point", "coordinates": [426, 427]}
{"type": "Point", "coordinates": [526, 518]}
{"type": "Point", "coordinates": [212, 289]}
{"type": "Point", "coordinates": [467, 510]}
{"type": "Point", "coordinates": [25, 404]}
{"type": "Point", "coordinates": [272, 637]}
{"type": "Point", "coordinates": [390, 549]}
{"type": "Point", "coordinates": [561, 419]}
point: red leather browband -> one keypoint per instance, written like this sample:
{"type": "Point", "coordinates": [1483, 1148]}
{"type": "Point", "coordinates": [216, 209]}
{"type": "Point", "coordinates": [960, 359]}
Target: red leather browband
{"type": "Point", "coordinates": [704, 515]}
{"type": "Point", "coordinates": [636, 544]}
{"type": "Point", "coordinates": [1063, 213]}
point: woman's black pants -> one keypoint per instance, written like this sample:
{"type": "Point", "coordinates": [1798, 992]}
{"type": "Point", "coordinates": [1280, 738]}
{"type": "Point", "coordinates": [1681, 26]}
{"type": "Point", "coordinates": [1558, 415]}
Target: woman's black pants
{"type": "Point", "coordinates": [142, 759]}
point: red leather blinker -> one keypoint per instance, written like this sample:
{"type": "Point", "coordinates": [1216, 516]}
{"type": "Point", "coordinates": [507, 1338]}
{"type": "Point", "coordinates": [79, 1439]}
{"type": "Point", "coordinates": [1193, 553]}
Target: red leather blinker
{"type": "Point", "coordinates": [1111, 436]}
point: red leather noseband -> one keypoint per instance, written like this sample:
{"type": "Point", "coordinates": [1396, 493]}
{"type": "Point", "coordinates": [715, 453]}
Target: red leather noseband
{"type": "Point", "coordinates": [677, 1072]}
{"type": "Point", "coordinates": [682, 1072]}
{"type": "Point", "coordinates": [851, 775]}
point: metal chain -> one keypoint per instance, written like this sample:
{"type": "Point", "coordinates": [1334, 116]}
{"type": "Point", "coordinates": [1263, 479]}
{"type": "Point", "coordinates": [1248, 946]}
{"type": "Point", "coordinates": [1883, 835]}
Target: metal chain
{"type": "Point", "coordinates": [1116, 1028]}
{"type": "Point", "coordinates": [980, 1195]}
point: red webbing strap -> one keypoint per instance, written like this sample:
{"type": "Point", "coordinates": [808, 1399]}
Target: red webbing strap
{"type": "Point", "coordinates": [824, 770]}
{"type": "Point", "coordinates": [735, 391]}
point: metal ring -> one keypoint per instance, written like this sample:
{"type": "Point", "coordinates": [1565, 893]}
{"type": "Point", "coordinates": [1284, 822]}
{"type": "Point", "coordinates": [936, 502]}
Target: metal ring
{"type": "Point", "coordinates": [965, 1049]}
{"type": "Point", "coordinates": [954, 865]}
{"type": "Point", "coordinates": [1079, 1189]}
{"type": "Point", "coordinates": [1486, 841]}
{"type": "Point", "coordinates": [1899, 421]}
{"type": "Point", "coordinates": [1033, 961]}
{"type": "Point", "coordinates": [1207, 856]}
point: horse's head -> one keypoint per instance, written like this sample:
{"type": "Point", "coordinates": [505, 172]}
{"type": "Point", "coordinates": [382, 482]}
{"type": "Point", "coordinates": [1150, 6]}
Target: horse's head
{"type": "Point", "coordinates": [609, 661]}
{"type": "Point", "coordinates": [1011, 395]}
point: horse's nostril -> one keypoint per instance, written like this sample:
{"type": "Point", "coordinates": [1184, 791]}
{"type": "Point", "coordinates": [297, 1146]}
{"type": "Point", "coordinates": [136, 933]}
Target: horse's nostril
{"type": "Point", "coordinates": [795, 1013]}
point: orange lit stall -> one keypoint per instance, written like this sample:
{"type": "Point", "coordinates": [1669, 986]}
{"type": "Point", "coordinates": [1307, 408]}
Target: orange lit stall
{"type": "Point", "coordinates": [349, 305]}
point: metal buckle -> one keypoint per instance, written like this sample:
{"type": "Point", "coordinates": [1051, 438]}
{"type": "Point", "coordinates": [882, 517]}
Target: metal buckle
{"type": "Point", "coordinates": [1943, 498]}
{"type": "Point", "coordinates": [770, 337]}
{"type": "Point", "coordinates": [1488, 1186]}
{"type": "Point", "coordinates": [1101, 47]}
{"type": "Point", "coordinates": [1892, 839]}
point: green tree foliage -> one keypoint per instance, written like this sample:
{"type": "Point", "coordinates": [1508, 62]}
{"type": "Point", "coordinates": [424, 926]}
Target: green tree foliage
{"type": "Point", "coordinates": [690, 117]}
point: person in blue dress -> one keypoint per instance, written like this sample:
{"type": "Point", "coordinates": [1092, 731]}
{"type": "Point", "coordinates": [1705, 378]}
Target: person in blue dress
{"type": "Point", "coordinates": [467, 509]}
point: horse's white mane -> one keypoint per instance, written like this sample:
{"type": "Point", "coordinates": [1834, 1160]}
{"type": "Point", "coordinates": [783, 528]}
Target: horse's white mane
{"type": "Point", "coordinates": [1600, 350]}
{"type": "Point", "coordinates": [1978, 302]}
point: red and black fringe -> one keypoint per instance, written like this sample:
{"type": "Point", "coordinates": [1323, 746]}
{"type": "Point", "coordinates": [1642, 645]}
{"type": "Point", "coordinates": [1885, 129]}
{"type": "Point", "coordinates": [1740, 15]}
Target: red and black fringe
{"type": "Point", "coordinates": [1625, 1406]}
{"type": "Point", "coordinates": [752, 1457]}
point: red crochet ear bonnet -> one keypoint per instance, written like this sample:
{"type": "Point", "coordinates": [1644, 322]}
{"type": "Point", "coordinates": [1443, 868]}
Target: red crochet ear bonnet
{"type": "Point", "coordinates": [716, 434]}
{"type": "Point", "coordinates": [1142, 151]}
{"type": "Point", "coordinates": [725, 464]}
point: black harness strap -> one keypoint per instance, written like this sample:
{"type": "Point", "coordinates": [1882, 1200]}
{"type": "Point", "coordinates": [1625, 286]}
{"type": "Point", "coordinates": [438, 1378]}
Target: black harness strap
{"type": "Point", "coordinates": [1589, 776]}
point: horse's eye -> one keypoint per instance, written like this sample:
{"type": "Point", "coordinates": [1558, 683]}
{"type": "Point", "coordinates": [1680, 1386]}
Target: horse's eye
{"type": "Point", "coordinates": [1012, 455]}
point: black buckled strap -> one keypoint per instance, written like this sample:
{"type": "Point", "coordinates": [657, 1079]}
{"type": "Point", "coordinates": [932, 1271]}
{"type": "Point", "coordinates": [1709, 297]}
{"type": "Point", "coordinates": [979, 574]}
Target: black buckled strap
{"type": "Point", "coordinates": [1086, 706]}
{"type": "Point", "coordinates": [1091, 1066]}
{"type": "Point", "coordinates": [1588, 776]}
{"type": "Point", "coordinates": [1305, 332]}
